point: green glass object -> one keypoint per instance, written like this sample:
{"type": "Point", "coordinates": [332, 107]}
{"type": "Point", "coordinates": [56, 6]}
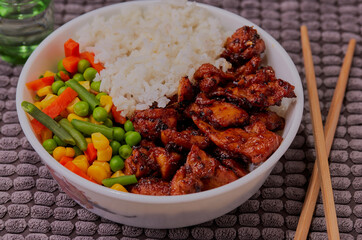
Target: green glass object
{"type": "Point", "coordinates": [23, 25]}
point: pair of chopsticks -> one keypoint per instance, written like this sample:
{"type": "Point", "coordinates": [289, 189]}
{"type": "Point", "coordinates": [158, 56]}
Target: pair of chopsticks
{"type": "Point", "coordinates": [323, 142]}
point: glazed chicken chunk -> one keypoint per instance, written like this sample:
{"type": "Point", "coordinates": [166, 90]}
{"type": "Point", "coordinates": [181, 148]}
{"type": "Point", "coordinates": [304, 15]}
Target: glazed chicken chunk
{"type": "Point", "coordinates": [167, 161]}
{"type": "Point", "coordinates": [209, 77]}
{"type": "Point", "coordinates": [184, 140]}
{"type": "Point", "coordinates": [220, 114]}
{"type": "Point", "coordinates": [261, 89]}
{"type": "Point", "coordinates": [151, 186]}
{"type": "Point", "coordinates": [200, 172]}
{"type": "Point", "coordinates": [244, 44]}
{"type": "Point", "coordinates": [139, 163]}
{"type": "Point", "coordinates": [272, 121]}
{"type": "Point", "coordinates": [255, 143]}
{"type": "Point", "coordinates": [150, 122]}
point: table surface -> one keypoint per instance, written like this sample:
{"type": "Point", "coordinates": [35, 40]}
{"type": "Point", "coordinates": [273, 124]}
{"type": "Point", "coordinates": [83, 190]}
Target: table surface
{"type": "Point", "coordinates": [33, 207]}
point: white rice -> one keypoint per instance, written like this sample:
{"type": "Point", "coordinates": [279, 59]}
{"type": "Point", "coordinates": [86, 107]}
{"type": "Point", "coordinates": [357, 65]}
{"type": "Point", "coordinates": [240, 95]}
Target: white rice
{"type": "Point", "coordinates": [146, 51]}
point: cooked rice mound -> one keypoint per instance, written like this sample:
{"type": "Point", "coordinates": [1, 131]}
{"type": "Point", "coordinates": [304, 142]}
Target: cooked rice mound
{"type": "Point", "coordinates": [147, 50]}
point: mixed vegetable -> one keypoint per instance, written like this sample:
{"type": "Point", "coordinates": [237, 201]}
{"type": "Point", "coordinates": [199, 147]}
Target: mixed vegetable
{"type": "Point", "coordinates": [79, 125]}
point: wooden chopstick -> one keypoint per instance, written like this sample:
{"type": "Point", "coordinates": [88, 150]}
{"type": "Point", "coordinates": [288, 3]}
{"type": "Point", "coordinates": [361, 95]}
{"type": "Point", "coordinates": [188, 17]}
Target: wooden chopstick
{"type": "Point", "coordinates": [305, 218]}
{"type": "Point", "coordinates": [320, 142]}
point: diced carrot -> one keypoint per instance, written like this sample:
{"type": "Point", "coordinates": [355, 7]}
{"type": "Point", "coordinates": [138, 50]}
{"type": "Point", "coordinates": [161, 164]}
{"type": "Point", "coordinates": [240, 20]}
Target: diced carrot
{"type": "Point", "coordinates": [91, 153]}
{"type": "Point", "coordinates": [40, 83]}
{"type": "Point", "coordinates": [64, 76]}
{"type": "Point", "coordinates": [73, 168]}
{"type": "Point", "coordinates": [117, 115]}
{"type": "Point", "coordinates": [71, 48]}
{"type": "Point", "coordinates": [71, 64]}
{"type": "Point", "coordinates": [56, 107]}
{"type": "Point", "coordinates": [65, 159]}
{"type": "Point", "coordinates": [90, 57]}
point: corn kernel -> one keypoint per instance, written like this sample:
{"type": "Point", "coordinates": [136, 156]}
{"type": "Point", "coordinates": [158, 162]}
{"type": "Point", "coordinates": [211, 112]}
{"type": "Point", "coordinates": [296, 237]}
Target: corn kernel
{"type": "Point", "coordinates": [81, 162]}
{"type": "Point", "coordinates": [48, 73]}
{"type": "Point", "coordinates": [69, 152]}
{"type": "Point", "coordinates": [58, 153]}
{"type": "Point", "coordinates": [106, 102]}
{"type": "Point", "coordinates": [44, 91]}
{"type": "Point", "coordinates": [92, 120]}
{"type": "Point", "coordinates": [117, 174]}
{"type": "Point", "coordinates": [85, 84]}
{"type": "Point", "coordinates": [104, 165]}
{"type": "Point", "coordinates": [48, 100]}
{"type": "Point", "coordinates": [98, 173]}
{"type": "Point", "coordinates": [72, 116]}
{"type": "Point", "coordinates": [88, 140]}
{"type": "Point", "coordinates": [119, 187]}
{"type": "Point", "coordinates": [70, 107]}
{"type": "Point", "coordinates": [100, 141]}
{"type": "Point", "coordinates": [104, 155]}
{"type": "Point", "coordinates": [46, 134]}
{"type": "Point", "coordinates": [38, 105]}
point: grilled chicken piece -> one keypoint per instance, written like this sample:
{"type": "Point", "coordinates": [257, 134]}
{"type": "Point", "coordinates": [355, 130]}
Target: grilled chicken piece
{"type": "Point", "coordinates": [244, 44]}
{"type": "Point", "coordinates": [184, 140]}
{"type": "Point", "coordinates": [167, 161]}
{"type": "Point", "coordinates": [186, 92]}
{"type": "Point", "coordinates": [248, 68]}
{"type": "Point", "coordinates": [236, 167]}
{"type": "Point", "coordinates": [151, 186]}
{"type": "Point", "coordinates": [149, 123]}
{"type": "Point", "coordinates": [208, 76]}
{"type": "Point", "coordinates": [200, 163]}
{"type": "Point", "coordinates": [219, 114]}
{"type": "Point", "coordinates": [200, 172]}
{"type": "Point", "coordinates": [272, 121]}
{"type": "Point", "coordinates": [185, 182]}
{"type": "Point", "coordinates": [255, 143]}
{"type": "Point", "coordinates": [139, 163]}
{"type": "Point", "coordinates": [261, 89]}
{"type": "Point", "coordinates": [221, 177]}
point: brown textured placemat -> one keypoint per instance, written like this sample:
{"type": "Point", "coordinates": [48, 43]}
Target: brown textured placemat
{"type": "Point", "coordinates": [33, 207]}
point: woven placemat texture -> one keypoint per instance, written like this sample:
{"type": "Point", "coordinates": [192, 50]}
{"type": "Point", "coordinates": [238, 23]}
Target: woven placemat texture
{"type": "Point", "coordinates": [32, 206]}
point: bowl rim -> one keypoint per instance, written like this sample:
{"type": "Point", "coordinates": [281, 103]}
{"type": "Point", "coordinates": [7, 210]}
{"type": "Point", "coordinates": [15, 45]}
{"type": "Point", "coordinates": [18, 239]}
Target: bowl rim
{"type": "Point", "coordinates": [271, 161]}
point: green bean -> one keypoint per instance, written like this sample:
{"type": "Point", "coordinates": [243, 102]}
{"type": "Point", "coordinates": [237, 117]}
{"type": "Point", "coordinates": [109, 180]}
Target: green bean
{"type": "Point", "coordinates": [78, 136]}
{"type": "Point", "coordinates": [89, 128]}
{"type": "Point", "coordinates": [83, 93]}
{"type": "Point", "coordinates": [48, 122]}
{"type": "Point", "coordinates": [123, 180]}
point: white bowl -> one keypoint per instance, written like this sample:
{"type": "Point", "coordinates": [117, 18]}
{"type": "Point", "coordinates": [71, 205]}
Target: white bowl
{"type": "Point", "coordinates": [158, 211]}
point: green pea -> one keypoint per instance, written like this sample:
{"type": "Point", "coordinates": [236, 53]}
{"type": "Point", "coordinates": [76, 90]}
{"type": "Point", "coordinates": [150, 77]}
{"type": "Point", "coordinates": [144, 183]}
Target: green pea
{"type": "Point", "coordinates": [115, 145]}
{"type": "Point", "coordinates": [118, 134]}
{"type": "Point", "coordinates": [108, 122]}
{"type": "Point", "coordinates": [59, 141]}
{"type": "Point", "coordinates": [56, 86]}
{"type": "Point", "coordinates": [61, 66]}
{"type": "Point", "coordinates": [127, 133]}
{"type": "Point", "coordinates": [116, 163]}
{"type": "Point", "coordinates": [83, 65]}
{"type": "Point", "coordinates": [89, 74]}
{"type": "Point", "coordinates": [125, 151]}
{"type": "Point", "coordinates": [100, 114]}
{"type": "Point", "coordinates": [77, 151]}
{"type": "Point", "coordinates": [128, 126]}
{"type": "Point", "coordinates": [61, 90]}
{"type": "Point", "coordinates": [133, 138]}
{"type": "Point", "coordinates": [99, 95]}
{"type": "Point", "coordinates": [50, 145]}
{"type": "Point", "coordinates": [78, 77]}
{"type": "Point", "coordinates": [95, 86]}
{"type": "Point", "coordinates": [81, 108]}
